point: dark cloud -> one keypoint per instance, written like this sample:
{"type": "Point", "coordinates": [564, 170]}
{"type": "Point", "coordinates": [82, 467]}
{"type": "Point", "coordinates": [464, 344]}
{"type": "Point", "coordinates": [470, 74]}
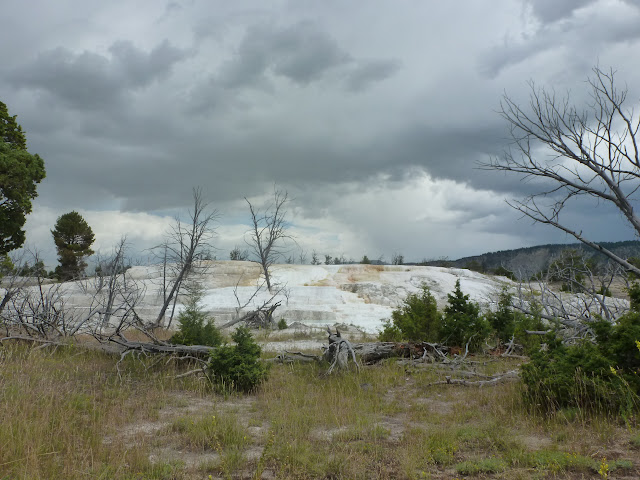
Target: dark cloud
{"type": "Point", "coordinates": [338, 103]}
{"type": "Point", "coordinates": [301, 53]}
{"type": "Point", "coordinates": [570, 38]}
{"type": "Point", "coordinates": [549, 11]}
{"type": "Point", "coordinates": [88, 80]}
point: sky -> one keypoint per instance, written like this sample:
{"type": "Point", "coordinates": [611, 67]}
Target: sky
{"type": "Point", "coordinates": [374, 116]}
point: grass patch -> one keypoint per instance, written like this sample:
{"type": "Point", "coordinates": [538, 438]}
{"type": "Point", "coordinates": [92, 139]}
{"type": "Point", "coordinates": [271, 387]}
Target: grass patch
{"type": "Point", "coordinates": [485, 465]}
{"type": "Point", "coordinates": [67, 414]}
{"type": "Point", "coordinates": [211, 432]}
{"type": "Point", "coordinates": [59, 409]}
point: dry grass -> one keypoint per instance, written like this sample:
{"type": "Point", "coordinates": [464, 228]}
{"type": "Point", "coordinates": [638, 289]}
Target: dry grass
{"type": "Point", "coordinates": [66, 414]}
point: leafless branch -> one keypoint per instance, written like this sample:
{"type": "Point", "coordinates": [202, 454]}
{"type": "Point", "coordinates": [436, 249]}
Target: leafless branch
{"type": "Point", "coordinates": [184, 250]}
{"type": "Point", "coordinates": [592, 153]}
{"type": "Point", "coordinates": [268, 234]}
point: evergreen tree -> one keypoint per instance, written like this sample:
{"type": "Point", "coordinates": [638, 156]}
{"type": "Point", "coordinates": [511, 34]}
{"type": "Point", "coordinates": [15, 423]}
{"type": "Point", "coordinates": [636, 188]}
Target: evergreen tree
{"type": "Point", "coordinates": [418, 319]}
{"type": "Point", "coordinates": [20, 172]}
{"type": "Point", "coordinates": [238, 367]}
{"type": "Point", "coordinates": [462, 322]}
{"type": "Point", "coordinates": [73, 238]}
{"type": "Point", "coordinates": [195, 325]}
{"type": "Point", "coordinates": [503, 319]}
{"type": "Point", "coordinates": [10, 131]}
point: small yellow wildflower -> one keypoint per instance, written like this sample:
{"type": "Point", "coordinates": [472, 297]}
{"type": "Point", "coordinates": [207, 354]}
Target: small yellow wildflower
{"type": "Point", "coordinates": [604, 468]}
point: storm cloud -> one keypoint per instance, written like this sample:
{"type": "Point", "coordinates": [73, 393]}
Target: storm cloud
{"type": "Point", "coordinates": [375, 118]}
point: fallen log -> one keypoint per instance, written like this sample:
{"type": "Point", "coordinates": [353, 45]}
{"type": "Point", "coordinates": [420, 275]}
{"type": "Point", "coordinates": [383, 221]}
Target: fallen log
{"type": "Point", "coordinates": [494, 380]}
{"type": "Point", "coordinates": [199, 351]}
{"type": "Point", "coordinates": [377, 351]}
{"type": "Point", "coordinates": [292, 357]}
{"type": "Point", "coordinates": [371, 352]}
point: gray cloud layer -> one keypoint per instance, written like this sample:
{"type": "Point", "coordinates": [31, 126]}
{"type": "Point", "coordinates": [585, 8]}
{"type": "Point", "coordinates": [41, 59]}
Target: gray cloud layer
{"type": "Point", "coordinates": [133, 107]}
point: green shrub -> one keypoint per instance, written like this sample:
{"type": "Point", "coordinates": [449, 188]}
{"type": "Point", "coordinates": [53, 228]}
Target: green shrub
{"type": "Point", "coordinates": [504, 272]}
{"type": "Point", "coordinates": [530, 343]}
{"type": "Point", "coordinates": [238, 367]}
{"type": "Point", "coordinates": [417, 319]}
{"type": "Point", "coordinates": [602, 376]}
{"type": "Point", "coordinates": [508, 323]}
{"type": "Point", "coordinates": [195, 328]}
{"type": "Point", "coordinates": [462, 322]}
{"type": "Point", "coordinates": [618, 344]}
{"type": "Point", "coordinates": [390, 332]}
{"type": "Point", "coordinates": [503, 319]}
{"type": "Point", "coordinates": [634, 296]}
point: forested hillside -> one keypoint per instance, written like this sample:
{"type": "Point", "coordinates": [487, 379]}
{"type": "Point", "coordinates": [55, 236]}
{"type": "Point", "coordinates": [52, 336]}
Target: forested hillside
{"type": "Point", "coordinates": [532, 260]}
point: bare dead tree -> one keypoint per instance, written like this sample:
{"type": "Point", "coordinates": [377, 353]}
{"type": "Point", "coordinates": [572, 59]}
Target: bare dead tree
{"type": "Point", "coordinates": [106, 279]}
{"type": "Point", "coordinates": [185, 248]}
{"type": "Point", "coordinates": [575, 310]}
{"type": "Point", "coordinates": [262, 314]}
{"type": "Point", "coordinates": [38, 310]}
{"type": "Point", "coordinates": [268, 234]}
{"type": "Point", "coordinates": [577, 153]}
{"type": "Point", "coordinates": [34, 306]}
{"type": "Point", "coordinates": [16, 280]}
{"type": "Point", "coordinates": [114, 295]}
{"type": "Point", "coordinates": [238, 255]}
{"type": "Point", "coordinates": [41, 309]}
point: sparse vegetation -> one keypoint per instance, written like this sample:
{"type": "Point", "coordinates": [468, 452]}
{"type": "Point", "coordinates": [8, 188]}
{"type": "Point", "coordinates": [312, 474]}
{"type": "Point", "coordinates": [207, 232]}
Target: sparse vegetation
{"type": "Point", "coordinates": [461, 323]}
{"type": "Point", "coordinates": [66, 414]}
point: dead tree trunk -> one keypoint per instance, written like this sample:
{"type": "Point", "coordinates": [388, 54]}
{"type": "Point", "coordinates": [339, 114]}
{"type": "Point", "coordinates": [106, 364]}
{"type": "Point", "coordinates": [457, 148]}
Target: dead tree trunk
{"type": "Point", "coordinates": [268, 233]}
{"type": "Point", "coordinates": [338, 352]}
{"type": "Point", "coordinates": [185, 247]}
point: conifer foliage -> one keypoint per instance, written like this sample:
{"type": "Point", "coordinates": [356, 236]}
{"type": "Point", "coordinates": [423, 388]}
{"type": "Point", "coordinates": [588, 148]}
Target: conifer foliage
{"type": "Point", "coordinates": [462, 322]}
{"type": "Point", "coordinates": [195, 326]}
{"type": "Point", "coordinates": [238, 367]}
{"type": "Point", "coordinates": [417, 319]}
{"type": "Point", "coordinates": [73, 238]}
{"type": "Point", "coordinates": [20, 172]}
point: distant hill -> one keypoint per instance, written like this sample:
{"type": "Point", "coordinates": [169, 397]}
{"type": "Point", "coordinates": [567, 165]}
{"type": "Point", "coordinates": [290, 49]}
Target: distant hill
{"type": "Point", "coordinates": [531, 260]}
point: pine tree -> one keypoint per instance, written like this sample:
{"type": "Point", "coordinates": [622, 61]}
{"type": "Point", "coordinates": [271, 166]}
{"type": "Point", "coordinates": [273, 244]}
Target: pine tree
{"type": "Point", "coordinates": [73, 238]}
{"type": "Point", "coordinates": [10, 131]}
{"type": "Point", "coordinates": [20, 172]}
{"type": "Point", "coordinates": [462, 322]}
